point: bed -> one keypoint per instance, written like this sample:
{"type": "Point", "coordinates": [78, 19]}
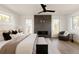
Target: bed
{"type": "Point", "coordinates": [21, 44]}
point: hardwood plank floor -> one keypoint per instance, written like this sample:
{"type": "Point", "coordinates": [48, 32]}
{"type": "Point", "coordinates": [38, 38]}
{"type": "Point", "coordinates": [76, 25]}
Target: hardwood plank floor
{"type": "Point", "coordinates": [56, 46]}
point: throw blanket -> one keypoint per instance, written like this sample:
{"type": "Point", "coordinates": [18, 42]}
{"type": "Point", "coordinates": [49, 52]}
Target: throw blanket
{"type": "Point", "coordinates": [10, 47]}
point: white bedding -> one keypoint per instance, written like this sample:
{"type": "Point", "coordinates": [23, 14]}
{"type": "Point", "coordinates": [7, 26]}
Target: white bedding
{"type": "Point", "coordinates": [3, 42]}
{"type": "Point", "coordinates": [26, 46]}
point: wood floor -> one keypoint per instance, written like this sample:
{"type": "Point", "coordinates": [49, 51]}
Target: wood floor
{"type": "Point", "coordinates": [56, 46]}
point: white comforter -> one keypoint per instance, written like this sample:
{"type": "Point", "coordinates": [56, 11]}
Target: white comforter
{"type": "Point", "coordinates": [27, 45]}
{"type": "Point", "coordinates": [2, 43]}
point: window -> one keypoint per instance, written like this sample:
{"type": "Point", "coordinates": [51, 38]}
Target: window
{"type": "Point", "coordinates": [75, 23]}
{"type": "Point", "coordinates": [7, 21]}
{"type": "Point", "coordinates": [28, 26]}
{"type": "Point", "coordinates": [4, 18]}
{"type": "Point", "coordinates": [55, 26]}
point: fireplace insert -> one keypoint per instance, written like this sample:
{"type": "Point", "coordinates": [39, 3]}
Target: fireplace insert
{"type": "Point", "coordinates": [42, 33]}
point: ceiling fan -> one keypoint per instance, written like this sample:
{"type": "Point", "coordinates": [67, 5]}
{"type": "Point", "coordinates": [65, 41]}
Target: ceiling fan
{"type": "Point", "coordinates": [44, 9]}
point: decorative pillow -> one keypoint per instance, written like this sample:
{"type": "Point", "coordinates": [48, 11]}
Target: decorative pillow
{"type": "Point", "coordinates": [6, 36]}
{"type": "Point", "coordinates": [62, 32]}
{"type": "Point", "coordinates": [20, 34]}
{"type": "Point", "coordinates": [13, 36]}
{"type": "Point", "coordinates": [14, 32]}
{"type": "Point", "coordinates": [66, 33]}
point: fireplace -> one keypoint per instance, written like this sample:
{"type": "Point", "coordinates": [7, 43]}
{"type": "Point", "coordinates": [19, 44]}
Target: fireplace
{"type": "Point", "coordinates": [42, 25]}
{"type": "Point", "coordinates": [42, 33]}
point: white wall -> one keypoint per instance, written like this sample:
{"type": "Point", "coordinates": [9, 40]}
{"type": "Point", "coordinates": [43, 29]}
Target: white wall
{"type": "Point", "coordinates": [21, 22]}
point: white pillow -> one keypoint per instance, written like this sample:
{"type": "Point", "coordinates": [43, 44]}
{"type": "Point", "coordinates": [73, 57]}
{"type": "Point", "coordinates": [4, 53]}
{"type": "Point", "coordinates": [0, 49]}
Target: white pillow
{"type": "Point", "coordinates": [13, 36]}
{"type": "Point", "coordinates": [19, 34]}
{"type": "Point", "coordinates": [66, 33]}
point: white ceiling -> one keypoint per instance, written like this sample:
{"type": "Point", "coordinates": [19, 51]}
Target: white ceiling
{"type": "Point", "coordinates": [31, 9]}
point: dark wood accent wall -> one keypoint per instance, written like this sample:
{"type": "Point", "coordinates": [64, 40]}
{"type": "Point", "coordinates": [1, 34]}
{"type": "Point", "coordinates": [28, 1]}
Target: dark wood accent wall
{"type": "Point", "coordinates": [42, 23]}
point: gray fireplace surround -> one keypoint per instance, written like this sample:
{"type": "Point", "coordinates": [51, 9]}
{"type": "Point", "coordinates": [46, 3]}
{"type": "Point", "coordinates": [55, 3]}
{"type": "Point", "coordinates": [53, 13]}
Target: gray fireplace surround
{"type": "Point", "coordinates": [42, 25]}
